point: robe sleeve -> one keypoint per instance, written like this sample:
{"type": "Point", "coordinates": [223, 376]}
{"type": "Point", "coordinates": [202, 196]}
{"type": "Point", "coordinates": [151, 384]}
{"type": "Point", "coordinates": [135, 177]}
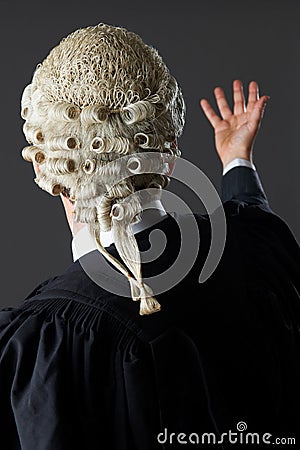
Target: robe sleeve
{"type": "Point", "coordinates": [243, 184]}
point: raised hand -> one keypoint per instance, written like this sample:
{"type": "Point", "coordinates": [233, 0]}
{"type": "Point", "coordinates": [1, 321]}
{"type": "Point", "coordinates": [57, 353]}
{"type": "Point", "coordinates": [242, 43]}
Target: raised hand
{"type": "Point", "coordinates": [235, 132]}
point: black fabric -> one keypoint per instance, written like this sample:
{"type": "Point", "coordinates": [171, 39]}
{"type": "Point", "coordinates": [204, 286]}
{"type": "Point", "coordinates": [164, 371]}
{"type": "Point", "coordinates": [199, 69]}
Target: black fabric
{"type": "Point", "coordinates": [81, 369]}
{"type": "Point", "coordinates": [244, 184]}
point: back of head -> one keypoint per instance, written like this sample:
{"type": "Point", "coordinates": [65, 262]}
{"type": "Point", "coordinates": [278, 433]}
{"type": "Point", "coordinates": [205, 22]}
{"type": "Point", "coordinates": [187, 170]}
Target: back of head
{"type": "Point", "coordinates": [102, 93]}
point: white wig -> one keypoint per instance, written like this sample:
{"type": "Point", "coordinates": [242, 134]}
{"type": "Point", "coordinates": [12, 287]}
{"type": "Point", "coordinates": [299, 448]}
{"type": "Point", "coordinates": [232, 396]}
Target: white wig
{"type": "Point", "coordinates": [102, 93]}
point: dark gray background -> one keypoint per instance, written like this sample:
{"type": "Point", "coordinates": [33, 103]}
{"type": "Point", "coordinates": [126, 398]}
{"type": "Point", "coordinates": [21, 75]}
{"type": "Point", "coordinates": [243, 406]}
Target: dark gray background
{"type": "Point", "coordinates": [204, 43]}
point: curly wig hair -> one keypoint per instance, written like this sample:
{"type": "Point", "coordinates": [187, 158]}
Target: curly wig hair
{"type": "Point", "coordinates": [100, 95]}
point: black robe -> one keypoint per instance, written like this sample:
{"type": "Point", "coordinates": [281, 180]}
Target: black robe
{"type": "Point", "coordinates": [81, 369]}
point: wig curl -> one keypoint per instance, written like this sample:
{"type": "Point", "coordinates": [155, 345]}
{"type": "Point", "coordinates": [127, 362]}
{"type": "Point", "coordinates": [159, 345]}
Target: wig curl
{"type": "Point", "coordinates": [100, 94]}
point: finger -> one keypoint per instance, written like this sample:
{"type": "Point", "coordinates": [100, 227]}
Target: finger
{"type": "Point", "coordinates": [258, 110]}
{"type": "Point", "coordinates": [253, 95]}
{"type": "Point", "coordinates": [238, 97]}
{"type": "Point", "coordinates": [224, 109]}
{"type": "Point", "coordinates": [210, 113]}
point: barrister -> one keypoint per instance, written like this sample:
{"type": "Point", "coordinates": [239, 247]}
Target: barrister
{"type": "Point", "coordinates": [84, 368]}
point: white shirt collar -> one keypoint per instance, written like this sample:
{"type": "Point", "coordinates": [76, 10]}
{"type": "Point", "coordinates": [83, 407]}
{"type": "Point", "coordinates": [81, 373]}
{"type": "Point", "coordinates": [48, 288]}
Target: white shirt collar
{"type": "Point", "coordinates": [83, 242]}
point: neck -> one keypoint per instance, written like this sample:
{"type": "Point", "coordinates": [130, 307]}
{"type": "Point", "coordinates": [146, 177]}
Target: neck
{"type": "Point", "coordinates": [83, 241]}
{"type": "Point", "coordinates": [153, 213]}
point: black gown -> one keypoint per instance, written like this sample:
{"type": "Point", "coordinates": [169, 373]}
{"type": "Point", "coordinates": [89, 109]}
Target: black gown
{"type": "Point", "coordinates": [81, 369]}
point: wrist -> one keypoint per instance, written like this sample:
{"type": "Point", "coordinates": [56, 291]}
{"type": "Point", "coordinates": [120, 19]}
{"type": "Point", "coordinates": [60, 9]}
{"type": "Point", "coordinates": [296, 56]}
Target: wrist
{"type": "Point", "coordinates": [241, 155]}
{"type": "Point", "coordinates": [238, 162]}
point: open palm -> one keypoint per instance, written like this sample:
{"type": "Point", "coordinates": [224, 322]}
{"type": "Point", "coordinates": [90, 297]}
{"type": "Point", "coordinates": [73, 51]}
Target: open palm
{"type": "Point", "coordinates": [235, 131]}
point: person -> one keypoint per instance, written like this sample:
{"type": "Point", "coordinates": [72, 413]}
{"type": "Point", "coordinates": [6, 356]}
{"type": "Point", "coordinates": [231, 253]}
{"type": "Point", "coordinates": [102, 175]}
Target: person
{"type": "Point", "coordinates": [82, 367]}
